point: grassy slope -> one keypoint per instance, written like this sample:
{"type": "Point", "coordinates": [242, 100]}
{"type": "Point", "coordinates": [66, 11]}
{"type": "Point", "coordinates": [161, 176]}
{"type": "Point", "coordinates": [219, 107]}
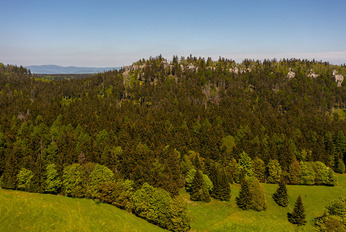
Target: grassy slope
{"type": "Point", "coordinates": [226, 216]}
{"type": "Point", "coordinates": [22, 211]}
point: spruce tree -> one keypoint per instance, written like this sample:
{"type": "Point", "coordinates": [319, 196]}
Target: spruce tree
{"type": "Point", "coordinates": [199, 190]}
{"type": "Point", "coordinates": [298, 214]}
{"type": "Point", "coordinates": [9, 176]}
{"type": "Point", "coordinates": [281, 196]}
{"type": "Point", "coordinates": [244, 199]}
{"type": "Point", "coordinates": [222, 189]}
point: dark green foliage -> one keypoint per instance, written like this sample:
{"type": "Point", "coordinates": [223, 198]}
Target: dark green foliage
{"type": "Point", "coordinates": [117, 193]}
{"type": "Point", "coordinates": [340, 166]}
{"type": "Point", "coordinates": [251, 195]}
{"type": "Point", "coordinates": [221, 189]}
{"type": "Point", "coordinates": [298, 214]}
{"type": "Point", "coordinates": [258, 169]}
{"type": "Point", "coordinates": [189, 179]}
{"type": "Point", "coordinates": [199, 190]}
{"type": "Point", "coordinates": [9, 176]}
{"type": "Point", "coordinates": [37, 183]}
{"type": "Point", "coordinates": [244, 199]}
{"type": "Point", "coordinates": [280, 196]}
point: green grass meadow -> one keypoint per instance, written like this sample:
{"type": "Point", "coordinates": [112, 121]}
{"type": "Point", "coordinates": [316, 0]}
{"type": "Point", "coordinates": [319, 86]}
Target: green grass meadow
{"type": "Point", "coordinates": [226, 216]}
{"type": "Point", "coordinates": [22, 211]}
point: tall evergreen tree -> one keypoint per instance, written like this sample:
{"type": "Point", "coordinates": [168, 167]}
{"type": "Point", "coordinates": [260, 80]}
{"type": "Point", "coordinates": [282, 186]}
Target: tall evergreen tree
{"type": "Point", "coordinates": [280, 196]}
{"type": "Point", "coordinates": [298, 214]}
{"type": "Point", "coordinates": [244, 199]}
{"type": "Point", "coordinates": [9, 177]}
{"type": "Point", "coordinates": [199, 190]}
{"type": "Point", "coordinates": [222, 189]}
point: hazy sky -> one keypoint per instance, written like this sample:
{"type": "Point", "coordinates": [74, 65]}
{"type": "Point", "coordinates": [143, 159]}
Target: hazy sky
{"type": "Point", "coordinates": [115, 33]}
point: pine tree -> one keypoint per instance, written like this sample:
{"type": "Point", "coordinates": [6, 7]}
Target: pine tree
{"type": "Point", "coordinates": [199, 190]}
{"type": "Point", "coordinates": [222, 189]}
{"type": "Point", "coordinates": [244, 199]}
{"type": "Point", "coordinates": [298, 214]}
{"type": "Point", "coordinates": [9, 176]}
{"type": "Point", "coordinates": [281, 196]}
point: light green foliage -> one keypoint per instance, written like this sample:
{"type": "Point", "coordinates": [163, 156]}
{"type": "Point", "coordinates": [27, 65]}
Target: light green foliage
{"type": "Point", "coordinates": [152, 204]}
{"type": "Point", "coordinates": [338, 207]}
{"type": "Point", "coordinates": [186, 164]}
{"type": "Point", "coordinates": [100, 174]}
{"type": "Point", "coordinates": [24, 179]}
{"type": "Point", "coordinates": [197, 127]}
{"type": "Point", "coordinates": [334, 218]}
{"type": "Point", "coordinates": [228, 143]}
{"type": "Point", "coordinates": [179, 220]}
{"type": "Point", "coordinates": [322, 173]}
{"type": "Point", "coordinates": [306, 174]}
{"type": "Point", "coordinates": [74, 179]}
{"type": "Point", "coordinates": [53, 182]}
{"type": "Point", "coordinates": [102, 137]}
{"type": "Point", "coordinates": [274, 171]}
{"type": "Point", "coordinates": [244, 167]}
{"type": "Point", "coordinates": [50, 153]}
{"type": "Point", "coordinates": [189, 178]}
{"type": "Point", "coordinates": [259, 201]}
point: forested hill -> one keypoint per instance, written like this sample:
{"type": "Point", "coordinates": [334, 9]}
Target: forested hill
{"type": "Point", "coordinates": [145, 120]}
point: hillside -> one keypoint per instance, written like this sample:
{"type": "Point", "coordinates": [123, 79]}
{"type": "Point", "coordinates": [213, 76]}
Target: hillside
{"type": "Point", "coordinates": [22, 211]}
{"type": "Point", "coordinates": [134, 137]}
{"type": "Point", "coordinates": [226, 216]}
{"type": "Point", "coordinates": [43, 212]}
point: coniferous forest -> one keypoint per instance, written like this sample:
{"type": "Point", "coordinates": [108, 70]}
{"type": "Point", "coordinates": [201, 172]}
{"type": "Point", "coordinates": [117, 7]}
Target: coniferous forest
{"type": "Point", "coordinates": [135, 137]}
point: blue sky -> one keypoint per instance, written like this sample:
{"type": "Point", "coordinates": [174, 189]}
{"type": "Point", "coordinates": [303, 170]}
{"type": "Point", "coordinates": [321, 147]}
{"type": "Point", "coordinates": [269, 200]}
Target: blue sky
{"type": "Point", "coordinates": [115, 33]}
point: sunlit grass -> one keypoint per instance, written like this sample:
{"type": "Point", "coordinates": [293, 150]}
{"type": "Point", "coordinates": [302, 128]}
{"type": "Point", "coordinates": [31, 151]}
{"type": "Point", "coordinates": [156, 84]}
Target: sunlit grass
{"type": "Point", "coordinates": [226, 216]}
{"type": "Point", "coordinates": [22, 211]}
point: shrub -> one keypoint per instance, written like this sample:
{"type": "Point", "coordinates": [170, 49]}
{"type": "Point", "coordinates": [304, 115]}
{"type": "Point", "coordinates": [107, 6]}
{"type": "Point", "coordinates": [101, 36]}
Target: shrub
{"type": "Point", "coordinates": [306, 173]}
{"type": "Point", "coordinates": [334, 218]}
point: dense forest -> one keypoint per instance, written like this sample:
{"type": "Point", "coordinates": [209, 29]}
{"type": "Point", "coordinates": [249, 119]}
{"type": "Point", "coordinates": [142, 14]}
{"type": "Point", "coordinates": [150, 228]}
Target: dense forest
{"type": "Point", "coordinates": [135, 137]}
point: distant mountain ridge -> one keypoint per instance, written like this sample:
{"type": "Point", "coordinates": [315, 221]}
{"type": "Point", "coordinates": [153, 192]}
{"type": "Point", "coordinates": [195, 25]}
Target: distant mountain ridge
{"type": "Point", "coordinates": [56, 69]}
